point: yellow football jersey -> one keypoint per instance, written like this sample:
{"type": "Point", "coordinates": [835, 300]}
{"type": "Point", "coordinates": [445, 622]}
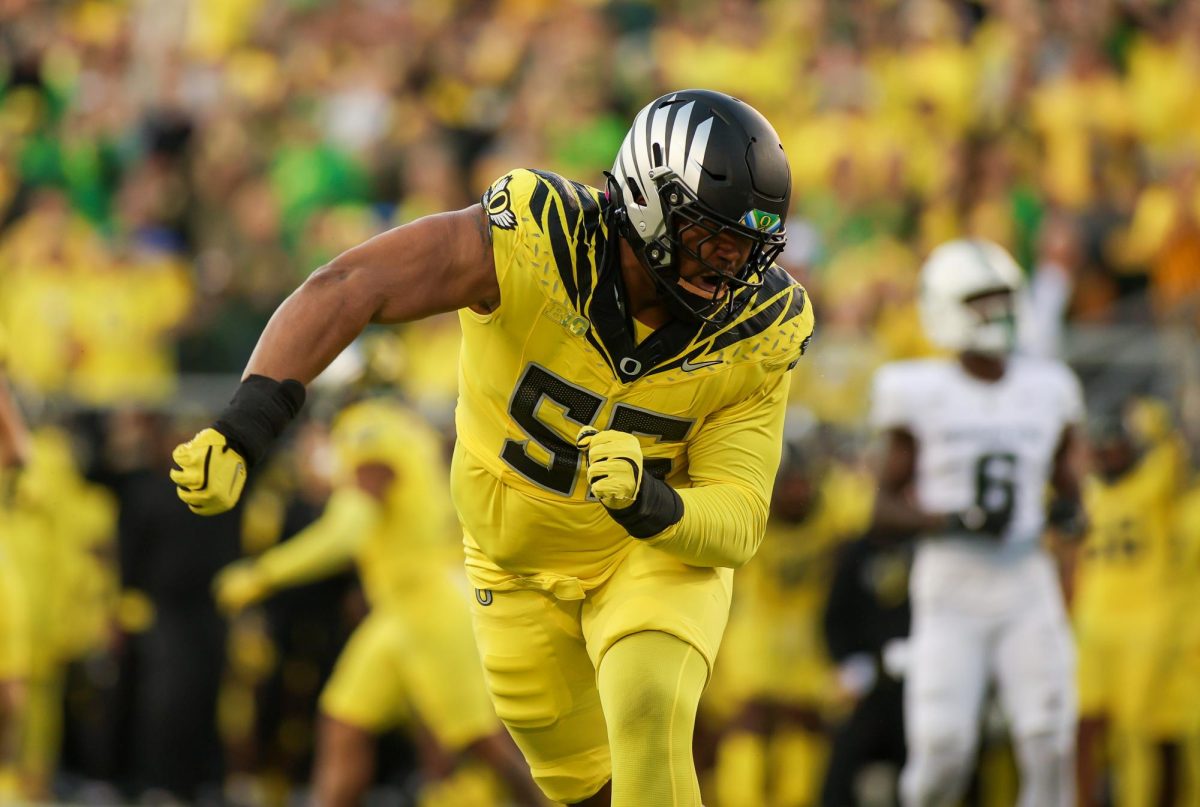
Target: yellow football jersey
{"type": "Point", "coordinates": [53, 537]}
{"type": "Point", "coordinates": [415, 528]}
{"type": "Point", "coordinates": [1128, 565]}
{"type": "Point", "coordinates": [559, 353]}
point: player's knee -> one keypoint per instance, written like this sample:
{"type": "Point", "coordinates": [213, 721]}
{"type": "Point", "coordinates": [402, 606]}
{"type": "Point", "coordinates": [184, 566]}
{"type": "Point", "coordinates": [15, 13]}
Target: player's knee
{"type": "Point", "coordinates": [937, 769]}
{"type": "Point", "coordinates": [650, 680]}
{"type": "Point", "coordinates": [645, 708]}
{"type": "Point", "coordinates": [1047, 763]}
{"type": "Point", "coordinates": [1052, 747]}
{"type": "Point", "coordinates": [563, 786]}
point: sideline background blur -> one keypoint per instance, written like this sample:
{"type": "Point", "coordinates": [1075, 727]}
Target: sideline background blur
{"type": "Point", "coordinates": [170, 170]}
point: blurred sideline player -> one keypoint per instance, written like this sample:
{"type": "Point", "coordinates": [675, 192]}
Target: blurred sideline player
{"type": "Point", "coordinates": [1186, 526]}
{"type": "Point", "coordinates": [390, 511]}
{"type": "Point", "coordinates": [14, 453]}
{"type": "Point", "coordinates": [66, 588]}
{"type": "Point", "coordinates": [774, 671]}
{"type": "Point", "coordinates": [1136, 690]}
{"type": "Point", "coordinates": [623, 380]}
{"type": "Point", "coordinates": [267, 720]}
{"type": "Point", "coordinates": [866, 625]}
{"type": "Point", "coordinates": [971, 443]}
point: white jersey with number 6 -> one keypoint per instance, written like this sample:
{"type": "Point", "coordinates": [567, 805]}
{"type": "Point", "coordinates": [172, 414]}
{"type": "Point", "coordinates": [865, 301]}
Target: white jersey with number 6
{"type": "Point", "coordinates": [990, 444]}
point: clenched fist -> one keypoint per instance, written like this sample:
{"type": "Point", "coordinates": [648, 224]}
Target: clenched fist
{"type": "Point", "coordinates": [614, 466]}
{"type": "Point", "coordinates": [211, 475]}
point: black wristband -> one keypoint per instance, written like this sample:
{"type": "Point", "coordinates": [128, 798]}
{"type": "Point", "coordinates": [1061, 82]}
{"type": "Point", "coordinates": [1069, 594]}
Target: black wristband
{"type": "Point", "coordinates": [258, 413]}
{"type": "Point", "coordinates": [657, 507]}
{"type": "Point", "coordinates": [1066, 516]}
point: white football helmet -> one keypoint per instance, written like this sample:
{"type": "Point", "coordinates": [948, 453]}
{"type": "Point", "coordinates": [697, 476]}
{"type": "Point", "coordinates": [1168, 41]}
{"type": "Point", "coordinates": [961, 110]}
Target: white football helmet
{"type": "Point", "coordinates": [959, 271]}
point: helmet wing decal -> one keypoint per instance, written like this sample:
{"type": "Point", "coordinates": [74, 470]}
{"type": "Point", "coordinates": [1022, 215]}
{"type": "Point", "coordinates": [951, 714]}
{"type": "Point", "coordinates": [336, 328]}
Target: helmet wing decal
{"type": "Point", "coordinates": [695, 155]}
{"type": "Point", "coordinates": [658, 134]}
{"type": "Point", "coordinates": [641, 153]}
{"type": "Point", "coordinates": [679, 133]}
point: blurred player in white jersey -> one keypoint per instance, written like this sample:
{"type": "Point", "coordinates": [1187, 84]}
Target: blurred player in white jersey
{"type": "Point", "coordinates": [972, 442]}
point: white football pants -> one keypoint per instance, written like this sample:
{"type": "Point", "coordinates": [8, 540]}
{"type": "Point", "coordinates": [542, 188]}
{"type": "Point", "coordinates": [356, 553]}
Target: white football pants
{"type": "Point", "coordinates": [1001, 622]}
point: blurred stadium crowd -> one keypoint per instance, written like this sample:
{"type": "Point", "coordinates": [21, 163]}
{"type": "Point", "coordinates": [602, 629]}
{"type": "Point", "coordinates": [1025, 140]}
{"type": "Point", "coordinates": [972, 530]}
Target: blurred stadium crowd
{"type": "Point", "coordinates": [170, 170]}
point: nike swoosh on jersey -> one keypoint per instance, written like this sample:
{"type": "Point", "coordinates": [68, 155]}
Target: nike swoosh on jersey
{"type": "Point", "coordinates": [687, 366]}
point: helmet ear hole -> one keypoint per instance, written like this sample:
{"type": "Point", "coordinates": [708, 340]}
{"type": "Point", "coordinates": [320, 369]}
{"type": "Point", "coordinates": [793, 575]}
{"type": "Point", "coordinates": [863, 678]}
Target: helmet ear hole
{"type": "Point", "coordinates": [638, 197]}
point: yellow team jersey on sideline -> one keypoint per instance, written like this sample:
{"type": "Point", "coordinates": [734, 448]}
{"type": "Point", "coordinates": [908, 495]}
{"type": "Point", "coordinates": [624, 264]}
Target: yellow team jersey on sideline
{"type": "Point", "coordinates": [1186, 524]}
{"type": "Point", "coordinates": [559, 354]}
{"type": "Point", "coordinates": [67, 592]}
{"type": "Point", "coordinates": [414, 531]}
{"type": "Point", "coordinates": [1131, 615]}
{"type": "Point", "coordinates": [796, 560]}
{"type": "Point", "coordinates": [774, 645]}
{"type": "Point", "coordinates": [1129, 565]}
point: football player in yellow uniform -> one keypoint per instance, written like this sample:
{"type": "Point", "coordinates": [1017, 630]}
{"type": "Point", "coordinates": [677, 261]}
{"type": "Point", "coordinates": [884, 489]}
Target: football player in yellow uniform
{"type": "Point", "coordinates": [623, 380]}
{"type": "Point", "coordinates": [14, 652]}
{"type": "Point", "coordinates": [1186, 524]}
{"type": "Point", "coordinates": [69, 588]}
{"type": "Point", "coordinates": [390, 511]}
{"type": "Point", "coordinates": [1135, 685]}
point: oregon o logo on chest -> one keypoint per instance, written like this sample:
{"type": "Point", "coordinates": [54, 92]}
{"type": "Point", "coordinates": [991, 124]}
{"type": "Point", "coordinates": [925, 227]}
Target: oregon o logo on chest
{"type": "Point", "coordinates": [630, 366]}
{"type": "Point", "coordinates": [483, 596]}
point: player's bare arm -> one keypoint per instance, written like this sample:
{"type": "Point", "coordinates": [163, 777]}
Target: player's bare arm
{"type": "Point", "coordinates": [895, 511]}
{"type": "Point", "coordinates": [435, 264]}
{"type": "Point", "coordinates": [1066, 515]}
{"type": "Point", "coordinates": [14, 436]}
{"type": "Point", "coordinates": [1067, 476]}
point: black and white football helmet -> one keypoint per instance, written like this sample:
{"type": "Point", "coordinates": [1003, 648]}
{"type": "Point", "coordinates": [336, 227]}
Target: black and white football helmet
{"type": "Point", "coordinates": [704, 159]}
{"type": "Point", "coordinates": [958, 272]}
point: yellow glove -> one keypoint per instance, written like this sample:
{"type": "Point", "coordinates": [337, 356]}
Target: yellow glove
{"type": "Point", "coordinates": [211, 475]}
{"type": "Point", "coordinates": [614, 466]}
{"type": "Point", "coordinates": [135, 611]}
{"type": "Point", "coordinates": [238, 586]}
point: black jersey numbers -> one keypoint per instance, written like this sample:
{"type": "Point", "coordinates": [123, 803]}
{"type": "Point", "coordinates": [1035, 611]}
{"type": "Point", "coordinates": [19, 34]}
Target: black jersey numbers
{"type": "Point", "coordinates": [996, 485]}
{"type": "Point", "coordinates": [630, 419]}
{"type": "Point", "coordinates": [579, 406]}
{"type": "Point", "coordinates": [1118, 541]}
